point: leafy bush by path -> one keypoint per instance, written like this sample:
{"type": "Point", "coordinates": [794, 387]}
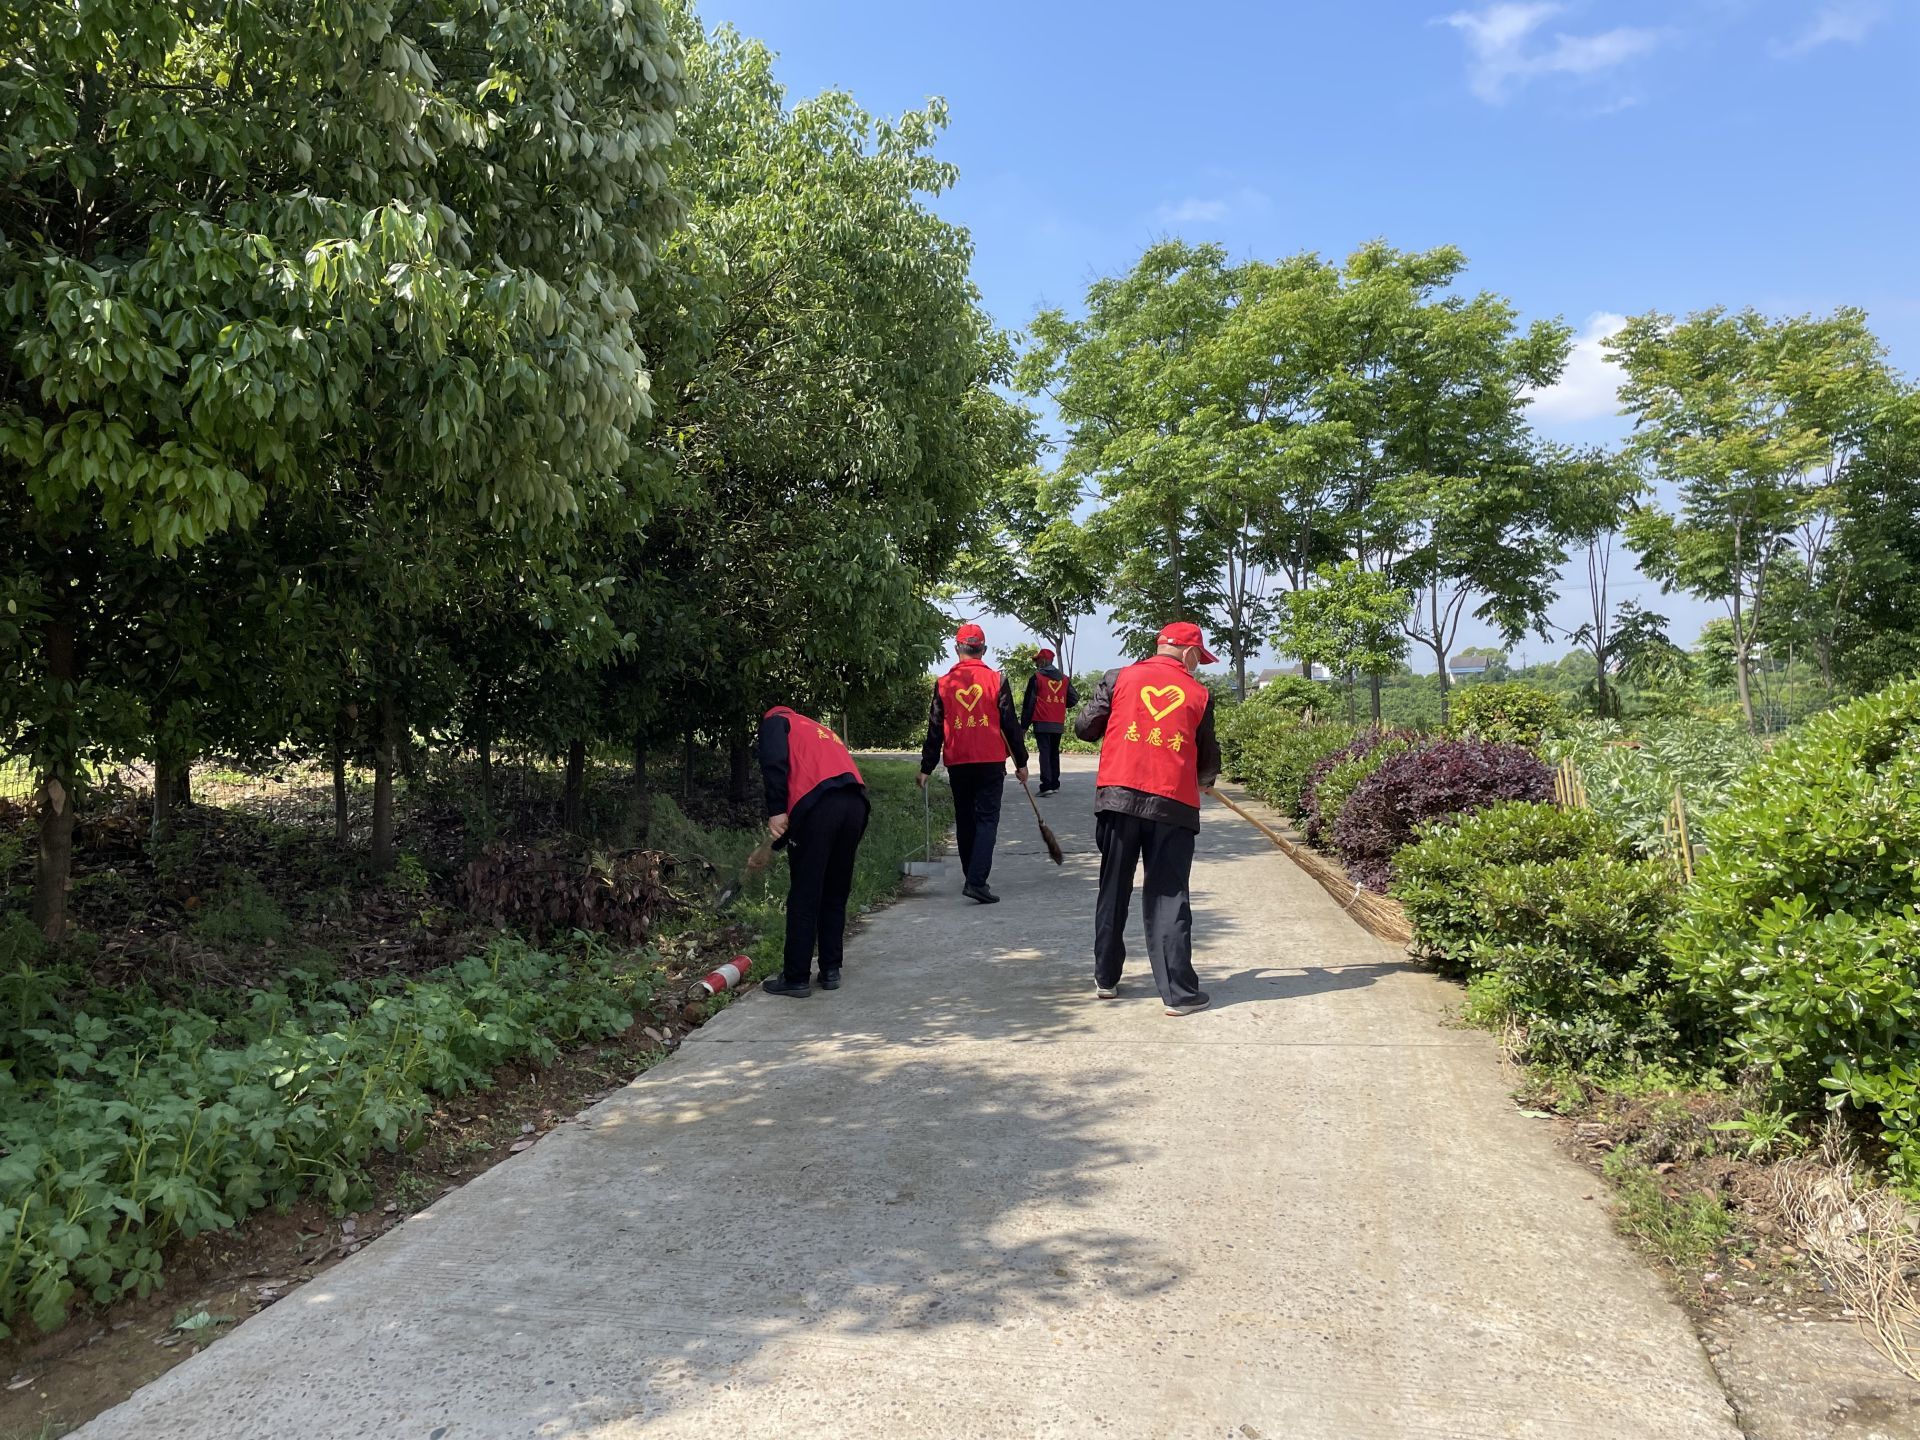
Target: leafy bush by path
{"type": "Point", "coordinates": [1271, 752]}
{"type": "Point", "coordinates": [1444, 779]}
{"type": "Point", "coordinates": [1435, 879]}
{"type": "Point", "coordinates": [1574, 947]}
{"type": "Point", "coordinates": [126, 1122]}
{"type": "Point", "coordinates": [1802, 931]}
{"type": "Point", "coordinates": [1328, 796]}
{"type": "Point", "coordinates": [1631, 781]}
{"type": "Point", "coordinates": [1509, 711]}
{"type": "Point", "coordinates": [1317, 817]}
{"type": "Point", "coordinates": [1559, 926]}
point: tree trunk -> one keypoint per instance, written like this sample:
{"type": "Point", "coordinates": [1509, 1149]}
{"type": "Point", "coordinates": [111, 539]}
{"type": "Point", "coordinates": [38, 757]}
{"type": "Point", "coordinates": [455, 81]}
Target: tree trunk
{"type": "Point", "coordinates": [342, 817]}
{"type": "Point", "coordinates": [737, 771]}
{"type": "Point", "coordinates": [1351, 706]}
{"type": "Point", "coordinates": [1742, 681]}
{"type": "Point", "coordinates": [171, 793]}
{"type": "Point", "coordinates": [1240, 677]}
{"type": "Point", "coordinates": [1446, 685]}
{"type": "Point", "coordinates": [573, 801]}
{"type": "Point", "coordinates": [1373, 695]}
{"type": "Point", "coordinates": [686, 773]}
{"type": "Point", "coordinates": [383, 746]}
{"type": "Point", "coordinates": [53, 874]}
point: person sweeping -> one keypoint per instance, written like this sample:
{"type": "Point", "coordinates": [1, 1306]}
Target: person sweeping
{"type": "Point", "coordinates": [817, 810]}
{"type": "Point", "coordinates": [1043, 710]}
{"type": "Point", "coordinates": [1154, 723]}
{"type": "Point", "coordinates": [971, 722]}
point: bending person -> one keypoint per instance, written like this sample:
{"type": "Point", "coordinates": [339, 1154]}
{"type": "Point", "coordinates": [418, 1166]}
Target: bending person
{"type": "Point", "coordinates": [817, 810]}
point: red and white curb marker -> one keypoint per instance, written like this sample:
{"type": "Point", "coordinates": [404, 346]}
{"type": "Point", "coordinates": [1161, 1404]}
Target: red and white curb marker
{"type": "Point", "coordinates": [727, 976]}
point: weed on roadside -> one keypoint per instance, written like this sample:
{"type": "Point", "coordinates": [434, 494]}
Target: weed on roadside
{"type": "Point", "coordinates": [1685, 1230]}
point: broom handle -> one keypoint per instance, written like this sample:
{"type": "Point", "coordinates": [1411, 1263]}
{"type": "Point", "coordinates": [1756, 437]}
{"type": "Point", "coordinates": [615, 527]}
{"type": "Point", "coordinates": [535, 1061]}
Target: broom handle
{"type": "Point", "coordinates": [1035, 804]}
{"type": "Point", "coordinates": [1279, 840]}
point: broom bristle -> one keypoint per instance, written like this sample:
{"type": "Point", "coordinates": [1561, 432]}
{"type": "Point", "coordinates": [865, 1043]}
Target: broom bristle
{"type": "Point", "coordinates": [1054, 852]}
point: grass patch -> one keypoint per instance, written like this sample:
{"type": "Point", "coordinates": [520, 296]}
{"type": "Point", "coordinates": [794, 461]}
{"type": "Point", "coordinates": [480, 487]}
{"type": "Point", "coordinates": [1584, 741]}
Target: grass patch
{"type": "Point", "coordinates": [1686, 1231]}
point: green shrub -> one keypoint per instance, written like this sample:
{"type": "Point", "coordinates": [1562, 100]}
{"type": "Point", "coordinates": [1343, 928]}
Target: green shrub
{"type": "Point", "coordinates": [1576, 945]}
{"type": "Point", "coordinates": [1508, 711]}
{"type": "Point", "coordinates": [1801, 932]}
{"type": "Point", "coordinates": [1559, 927]}
{"type": "Point", "coordinates": [1434, 878]}
{"type": "Point", "coordinates": [1271, 752]}
{"type": "Point", "coordinates": [124, 1123]}
{"type": "Point", "coordinates": [1329, 794]}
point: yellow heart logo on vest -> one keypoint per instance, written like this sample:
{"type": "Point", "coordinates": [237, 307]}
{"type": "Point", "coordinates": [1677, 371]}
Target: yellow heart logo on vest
{"type": "Point", "coordinates": [1054, 687]}
{"type": "Point", "coordinates": [1172, 694]}
{"type": "Point", "coordinates": [970, 696]}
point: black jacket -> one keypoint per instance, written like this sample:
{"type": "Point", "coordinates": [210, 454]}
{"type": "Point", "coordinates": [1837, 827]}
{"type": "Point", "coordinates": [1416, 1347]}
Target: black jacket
{"type": "Point", "coordinates": [1032, 699]}
{"type": "Point", "coordinates": [937, 731]}
{"type": "Point", "coordinates": [771, 745]}
{"type": "Point", "coordinates": [1091, 724]}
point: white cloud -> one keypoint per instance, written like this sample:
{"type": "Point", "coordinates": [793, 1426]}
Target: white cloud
{"type": "Point", "coordinates": [1200, 210]}
{"type": "Point", "coordinates": [1507, 46]}
{"type": "Point", "coordinates": [1843, 22]}
{"type": "Point", "coordinates": [1192, 211]}
{"type": "Point", "coordinates": [1589, 388]}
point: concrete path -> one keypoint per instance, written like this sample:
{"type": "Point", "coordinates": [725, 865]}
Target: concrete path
{"type": "Point", "coordinates": [961, 1198]}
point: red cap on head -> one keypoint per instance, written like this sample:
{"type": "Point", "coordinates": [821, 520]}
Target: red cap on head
{"type": "Point", "coordinates": [1044, 656]}
{"type": "Point", "coordinates": [1184, 633]}
{"type": "Point", "coordinates": [970, 634]}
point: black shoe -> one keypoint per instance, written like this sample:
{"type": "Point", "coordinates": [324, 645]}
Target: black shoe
{"type": "Point", "coordinates": [1046, 790]}
{"type": "Point", "coordinates": [780, 985]}
{"type": "Point", "coordinates": [1190, 1007]}
{"type": "Point", "coordinates": [829, 980]}
{"type": "Point", "coordinates": [981, 894]}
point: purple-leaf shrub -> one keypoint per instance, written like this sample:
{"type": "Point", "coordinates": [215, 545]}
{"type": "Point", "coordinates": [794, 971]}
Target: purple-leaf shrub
{"type": "Point", "coordinates": [1441, 781]}
{"type": "Point", "coordinates": [1313, 822]}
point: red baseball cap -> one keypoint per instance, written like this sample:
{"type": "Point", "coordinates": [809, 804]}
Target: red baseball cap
{"type": "Point", "coordinates": [1184, 633]}
{"type": "Point", "coordinates": [970, 635]}
{"type": "Point", "coordinates": [1044, 655]}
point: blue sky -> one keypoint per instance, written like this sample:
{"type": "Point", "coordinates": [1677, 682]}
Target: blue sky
{"type": "Point", "coordinates": [1593, 159]}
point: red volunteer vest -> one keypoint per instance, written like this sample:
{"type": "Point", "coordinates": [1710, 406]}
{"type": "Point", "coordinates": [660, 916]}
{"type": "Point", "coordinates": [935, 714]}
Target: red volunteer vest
{"type": "Point", "coordinates": [815, 755]}
{"type": "Point", "coordinates": [970, 708]}
{"type": "Point", "coordinates": [1149, 745]}
{"type": "Point", "coordinates": [1050, 700]}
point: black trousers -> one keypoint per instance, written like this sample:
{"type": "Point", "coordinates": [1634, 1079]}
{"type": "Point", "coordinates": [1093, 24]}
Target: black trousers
{"type": "Point", "coordinates": [976, 815]}
{"type": "Point", "coordinates": [1125, 841]}
{"type": "Point", "coordinates": [1049, 748]}
{"type": "Point", "coordinates": [820, 854]}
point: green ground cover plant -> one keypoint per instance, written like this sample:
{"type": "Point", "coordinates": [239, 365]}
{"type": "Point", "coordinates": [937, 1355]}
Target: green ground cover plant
{"type": "Point", "coordinates": [1631, 779]}
{"type": "Point", "coordinates": [129, 1118]}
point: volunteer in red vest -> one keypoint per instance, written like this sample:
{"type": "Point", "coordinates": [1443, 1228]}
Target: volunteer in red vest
{"type": "Point", "coordinates": [1043, 710]}
{"type": "Point", "coordinates": [972, 723]}
{"type": "Point", "coordinates": [817, 811]}
{"type": "Point", "coordinates": [1155, 724]}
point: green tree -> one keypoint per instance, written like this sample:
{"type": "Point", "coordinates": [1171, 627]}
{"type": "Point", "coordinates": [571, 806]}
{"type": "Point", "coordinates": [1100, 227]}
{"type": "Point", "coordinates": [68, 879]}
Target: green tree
{"type": "Point", "coordinates": [1033, 560]}
{"type": "Point", "coordinates": [1752, 420]}
{"type": "Point", "coordinates": [1350, 621]}
{"type": "Point", "coordinates": [377, 272]}
{"type": "Point", "coordinates": [827, 395]}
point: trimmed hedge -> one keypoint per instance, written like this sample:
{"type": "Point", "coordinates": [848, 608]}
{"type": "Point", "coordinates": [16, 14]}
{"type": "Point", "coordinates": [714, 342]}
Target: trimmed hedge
{"type": "Point", "coordinates": [1557, 925]}
{"type": "Point", "coordinates": [1334, 776]}
{"type": "Point", "coordinates": [1438, 781]}
{"type": "Point", "coordinates": [1272, 753]}
{"type": "Point", "coordinates": [1510, 711]}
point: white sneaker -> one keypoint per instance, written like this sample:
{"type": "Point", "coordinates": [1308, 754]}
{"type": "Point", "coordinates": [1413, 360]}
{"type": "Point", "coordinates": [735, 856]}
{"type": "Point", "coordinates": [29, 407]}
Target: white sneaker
{"type": "Point", "coordinates": [1191, 1007]}
{"type": "Point", "coordinates": [1106, 992]}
